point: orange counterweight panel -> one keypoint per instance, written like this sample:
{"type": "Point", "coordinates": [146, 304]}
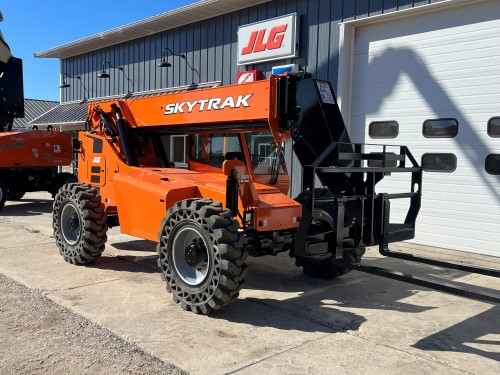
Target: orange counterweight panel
{"type": "Point", "coordinates": [37, 148]}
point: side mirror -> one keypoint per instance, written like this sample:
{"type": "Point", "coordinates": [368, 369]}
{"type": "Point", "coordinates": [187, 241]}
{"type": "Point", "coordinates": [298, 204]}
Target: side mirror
{"type": "Point", "coordinates": [1, 16]}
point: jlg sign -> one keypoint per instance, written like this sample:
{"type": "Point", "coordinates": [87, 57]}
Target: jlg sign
{"type": "Point", "coordinates": [274, 39]}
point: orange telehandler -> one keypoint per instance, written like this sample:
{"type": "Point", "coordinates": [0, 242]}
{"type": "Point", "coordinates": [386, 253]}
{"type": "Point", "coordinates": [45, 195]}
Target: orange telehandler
{"type": "Point", "coordinates": [229, 200]}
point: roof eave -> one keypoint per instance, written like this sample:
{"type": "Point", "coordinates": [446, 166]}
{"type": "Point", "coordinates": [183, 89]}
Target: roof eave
{"type": "Point", "coordinates": [198, 11]}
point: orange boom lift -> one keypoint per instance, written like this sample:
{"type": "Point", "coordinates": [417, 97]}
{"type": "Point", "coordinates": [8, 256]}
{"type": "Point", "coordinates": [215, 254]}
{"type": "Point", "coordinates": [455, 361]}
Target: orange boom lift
{"type": "Point", "coordinates": [229, 199]}
{"type": "Point", "coordinates": [29, 161]}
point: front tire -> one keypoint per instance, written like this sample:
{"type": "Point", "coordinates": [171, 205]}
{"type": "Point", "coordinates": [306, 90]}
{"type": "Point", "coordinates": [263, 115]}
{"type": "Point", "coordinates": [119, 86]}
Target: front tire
{"type": "Point", "coordinates": [321, 266]}
{"type": "Point", "coordinates": [201, 255]}
{"type": "Point", "coordinates": [79, 223]}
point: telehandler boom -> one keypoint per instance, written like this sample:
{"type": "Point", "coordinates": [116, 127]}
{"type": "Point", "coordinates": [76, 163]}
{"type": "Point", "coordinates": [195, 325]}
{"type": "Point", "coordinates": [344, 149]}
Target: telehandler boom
{"type": "Point", "coordinates": [229, 200]}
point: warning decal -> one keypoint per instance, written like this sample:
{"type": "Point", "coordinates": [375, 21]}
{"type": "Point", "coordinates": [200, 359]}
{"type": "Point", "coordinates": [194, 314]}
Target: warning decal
{"type": "Point", "coordinates": [325, 92]}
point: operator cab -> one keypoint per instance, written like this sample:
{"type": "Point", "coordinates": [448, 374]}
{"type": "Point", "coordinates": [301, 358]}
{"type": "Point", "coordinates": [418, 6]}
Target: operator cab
{"type": "Point", "coordinates": [257, 149]}
{"type": "Point", "coordinates": [206, 152]}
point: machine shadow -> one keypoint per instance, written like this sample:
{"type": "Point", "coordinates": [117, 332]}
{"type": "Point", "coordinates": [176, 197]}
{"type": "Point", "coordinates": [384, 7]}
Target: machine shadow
{"type": "Point", "coordinates": [135, 245]}
{"type": "Point", "coordinates": [127, 263]}
{"type": "Point", "coordinates": [141, 261]}
{"type": "Point", "coordinates": [313, 304]}
{"type": "Point", "coordinates": [27, 207]}
{"type": "Point", "coordinates": [277, 294]}
{"type": "Point", "coordinates": [468, 336]}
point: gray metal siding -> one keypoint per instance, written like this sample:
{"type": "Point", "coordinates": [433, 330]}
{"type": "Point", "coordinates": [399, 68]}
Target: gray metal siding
{"type": "Point", "coordinates": [210, 48]}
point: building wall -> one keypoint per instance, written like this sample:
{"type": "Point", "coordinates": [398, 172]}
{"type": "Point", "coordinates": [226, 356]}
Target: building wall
{"type": "Point", "coordinates": [210, 48]}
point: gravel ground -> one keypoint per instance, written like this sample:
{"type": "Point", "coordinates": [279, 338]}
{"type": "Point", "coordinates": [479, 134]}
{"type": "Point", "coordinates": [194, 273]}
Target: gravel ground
{"type": "Point", "coordinates": [38, 336]}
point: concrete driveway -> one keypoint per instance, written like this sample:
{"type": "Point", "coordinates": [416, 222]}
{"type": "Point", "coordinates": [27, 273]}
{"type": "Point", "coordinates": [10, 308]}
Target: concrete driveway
{"type": "Point", "coordinates": [283, 322]}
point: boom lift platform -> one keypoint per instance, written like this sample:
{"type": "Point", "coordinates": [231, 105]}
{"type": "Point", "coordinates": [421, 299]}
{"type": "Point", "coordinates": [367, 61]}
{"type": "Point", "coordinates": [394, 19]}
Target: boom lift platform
{"type": "Point", "coordinates": [230, 199]}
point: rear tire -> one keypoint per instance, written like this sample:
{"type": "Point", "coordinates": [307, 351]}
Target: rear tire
{"type": "Point", "coordinates": [201, 255]}
{"type": "Point", "coordinates": [321, 266]}
{"type": "Point", "coordinates": [79, 223]}
{"type": "Point", "coordinates": [3, 194]}
{"type": "Point", "coordinates": [59, 180]}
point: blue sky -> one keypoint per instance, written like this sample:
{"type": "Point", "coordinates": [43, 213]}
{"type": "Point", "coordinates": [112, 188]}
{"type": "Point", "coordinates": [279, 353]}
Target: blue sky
{"type": "Point", "coordinates": [31, 26]}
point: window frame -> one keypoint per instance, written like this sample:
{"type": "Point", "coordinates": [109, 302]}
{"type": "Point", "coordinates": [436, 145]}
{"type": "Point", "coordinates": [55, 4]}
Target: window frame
{"type": "Point", "coordinates": [488, 127]}
{"type": "Point", "coordinates": [440, 136]}
{"type": "Point", "coordinates": [382, 136]}
{"type": "Point", "coordinates": [439, 170]}
{"type": "Point", "coordinates": [486, 164]}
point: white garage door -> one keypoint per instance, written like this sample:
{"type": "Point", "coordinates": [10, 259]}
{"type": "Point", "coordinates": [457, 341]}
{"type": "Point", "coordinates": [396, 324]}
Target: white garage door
{"type": "Point", "coordinates": [442, 66]}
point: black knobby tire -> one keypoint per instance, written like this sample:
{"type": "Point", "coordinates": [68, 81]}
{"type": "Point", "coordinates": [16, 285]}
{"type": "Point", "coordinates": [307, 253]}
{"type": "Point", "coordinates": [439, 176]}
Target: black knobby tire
{"type": "Point", "coordinates": [59, 180]}
{"type": "Point", "coordinates": [321, 266]}
{"type": "Point", "coordinates": [15, 195]}
{"type": "Point", "coordinates": [219, 276]}
{"type": "Point", "coordinates": [3, 194]}
{"type": "Point", "coordinates": [79, 223]}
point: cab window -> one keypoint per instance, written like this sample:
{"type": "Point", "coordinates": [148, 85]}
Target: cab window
{"type": "Point", "coordinates": [211, 149]}
{"type": "Point", "coordinates": [264, 153]}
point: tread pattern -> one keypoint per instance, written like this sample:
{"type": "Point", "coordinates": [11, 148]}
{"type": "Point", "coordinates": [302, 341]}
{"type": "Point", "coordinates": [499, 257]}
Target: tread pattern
{"type": "Point", "coordinates": [93, 225]}
{"type": "Point", "coordinates": [228, 269]}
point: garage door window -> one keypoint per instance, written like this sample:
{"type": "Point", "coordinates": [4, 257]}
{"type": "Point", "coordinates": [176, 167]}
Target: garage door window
{"type": "Point", "coordinates": [494, 127]}
{"type": "Point", "coordinates": [492, 164]}
{"type": "Point", "coordinates": [383, 129]}
{"type": "Point", "coordinates": [439, 162]}
{"type": "Point", "coordinates": [440, 128]}
{"type": "Point", "coordinates": [382, 162]}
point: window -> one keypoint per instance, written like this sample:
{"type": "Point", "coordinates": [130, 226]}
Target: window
{"type": "Point", "coordinates": [211, 149]}
{"type": "Point", "coordinates": [178, 150]}
{"type": "Point", "coordinates": [384, 129]}
{"type": "Point", "coordinates": [492, 164]}
{"type": "Point", "coordinates": [374, 163]}
{"type": "Point", "coordinates": [264, 154]}
{"type": "Point", "coordinates": [494, 127]}
{"type": "Point", "coordinates": [440, 128]}
{"type": "Point", "coordinates": [439, 162]}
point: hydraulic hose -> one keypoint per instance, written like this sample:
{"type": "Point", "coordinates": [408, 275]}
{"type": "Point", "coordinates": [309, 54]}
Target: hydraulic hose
{"type": "Point", "coordinates": [130, 158]}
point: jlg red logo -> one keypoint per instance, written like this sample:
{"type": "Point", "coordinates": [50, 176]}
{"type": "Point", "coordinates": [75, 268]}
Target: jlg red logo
{"type": "Point", "coordinates": [274, 40]}
{"type": "Point", "coordinates": [269, 40]}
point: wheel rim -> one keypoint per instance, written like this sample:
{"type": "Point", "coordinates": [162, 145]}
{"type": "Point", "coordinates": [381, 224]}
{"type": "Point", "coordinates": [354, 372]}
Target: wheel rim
{"type": "Point", "coordinates": [190, 255]}
{"type": "Point", "coordinates": [70, 224]}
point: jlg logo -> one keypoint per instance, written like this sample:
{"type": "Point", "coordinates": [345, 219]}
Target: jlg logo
{"type": "Point", "coordinates": [274, 40]}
